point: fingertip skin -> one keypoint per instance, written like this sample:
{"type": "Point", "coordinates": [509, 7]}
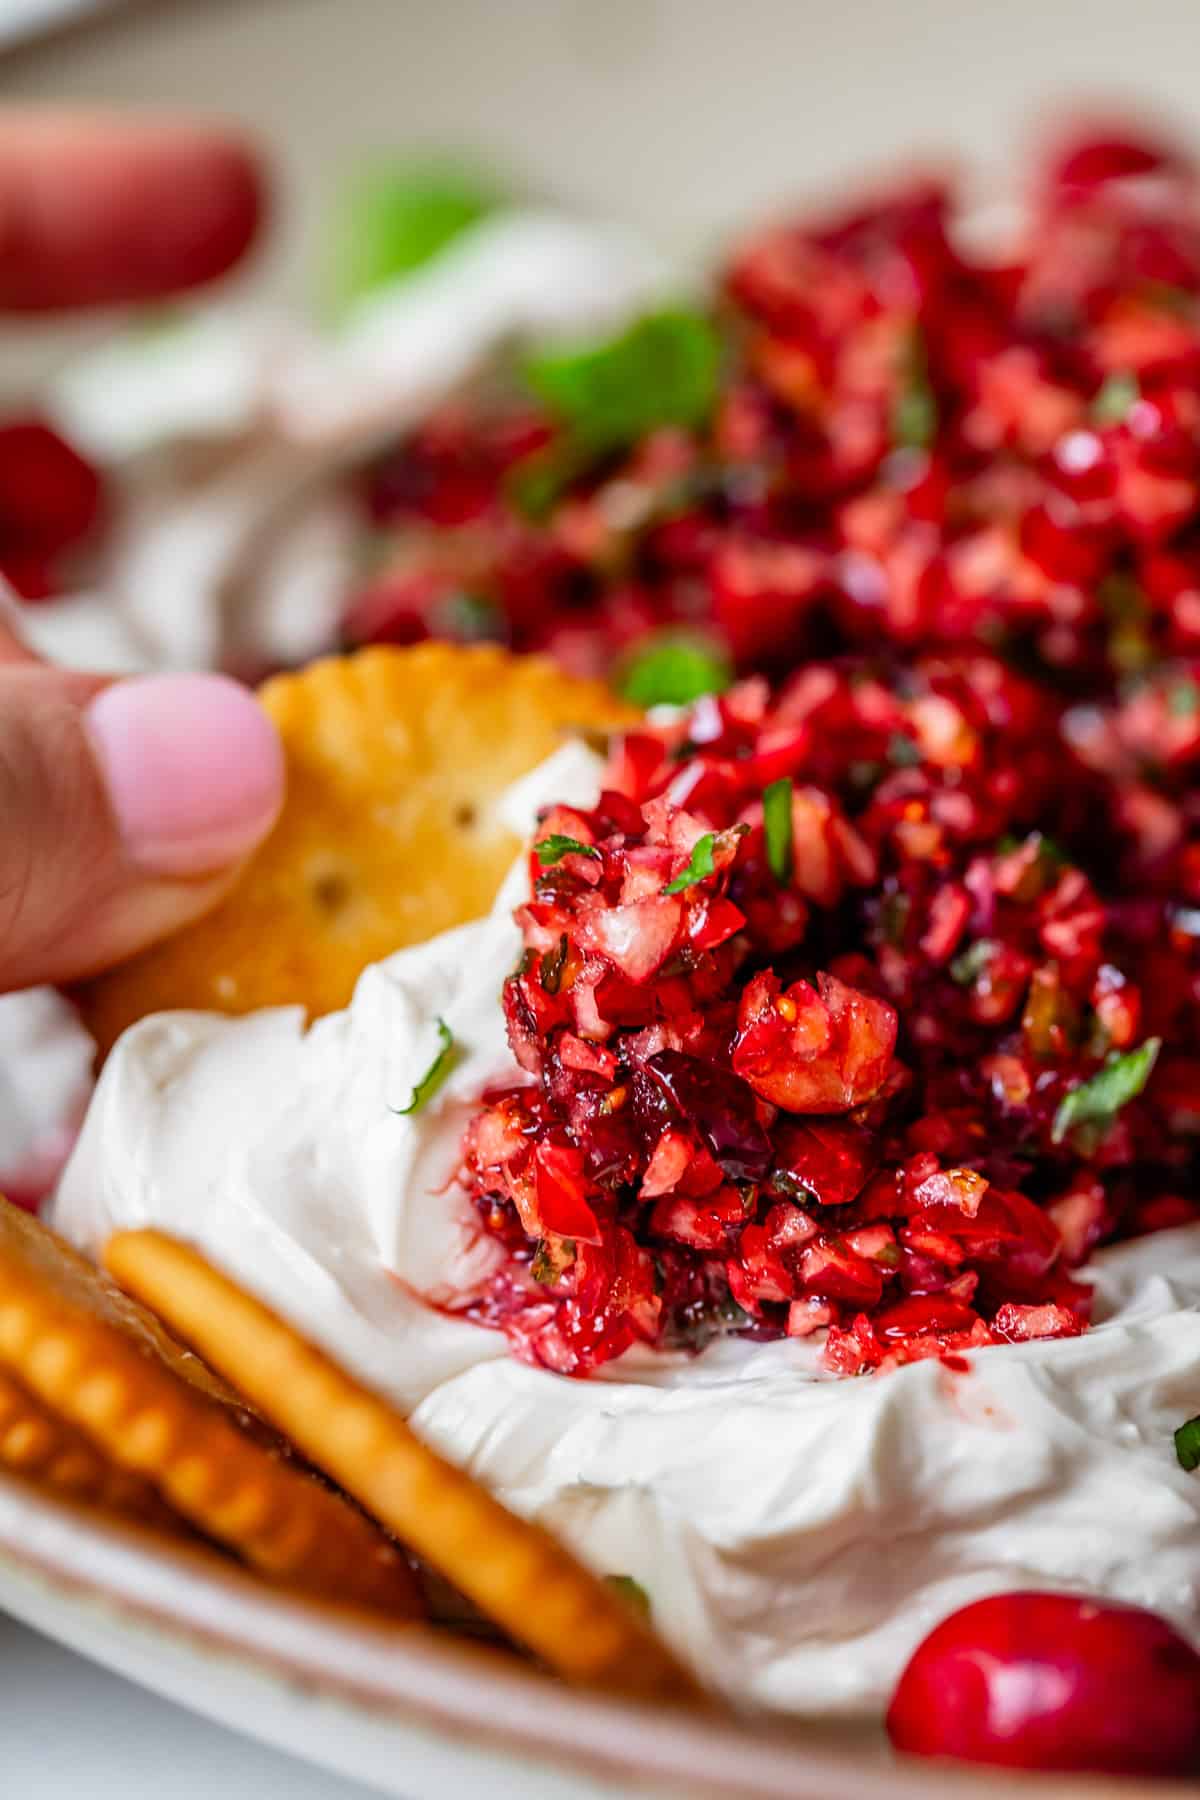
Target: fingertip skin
{"type": "Point", "coordinates": [100, 211]}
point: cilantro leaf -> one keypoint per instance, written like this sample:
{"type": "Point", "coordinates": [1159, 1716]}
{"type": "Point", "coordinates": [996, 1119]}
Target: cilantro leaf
{"type": "Point", "coordinates": [393, 218]}
{"type": "Point", "coordinates": [701, 865]}
{"type": "Point", "coordinates": [673, 671]}
{"type": "Point", "coordinates": [435, 1074]}
{"type": "Point", "coordinates": [552, 849]}
{"type": "Point", "coordinates": [1097, 1100]}
{"type": "Point", "coordinates": [662, 370]}
{"type": "Point", "coordinates": [1187, 1444]}
{"type": "Point", "coordinates": [1118, 392]}
{"type": "Point", "coordinates": [777, 829]}
{"type": "Point", "coordinates": [631, 1591]}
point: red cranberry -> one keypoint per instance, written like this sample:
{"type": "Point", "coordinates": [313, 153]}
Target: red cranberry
{"type": "Point", "coordinates": [1051, 1681]}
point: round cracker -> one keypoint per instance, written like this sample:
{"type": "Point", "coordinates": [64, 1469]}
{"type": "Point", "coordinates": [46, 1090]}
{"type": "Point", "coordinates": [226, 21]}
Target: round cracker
{"type": "Point", "coordinates": [101, 1363]}
{"type": "Point", "coordinates": [515, 1572]}
{"type": "Point", "coordinates": [390, 832]}
{"type": "Point", "coordinates": [39, 1446]}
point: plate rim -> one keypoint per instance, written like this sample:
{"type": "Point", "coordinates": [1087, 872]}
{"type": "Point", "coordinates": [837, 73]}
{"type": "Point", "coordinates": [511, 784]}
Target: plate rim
{"type": "Point", "coordinates": [423, 1677]}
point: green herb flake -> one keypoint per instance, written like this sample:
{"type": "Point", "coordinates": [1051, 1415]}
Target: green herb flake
{"type": "Point", "coordinates": [1187, 1444]}
{"type": "Point", "coordinates": [435, 1074]}
{"type": "Point", "coordinates": [552, 849]}
{"type": "Point", "coordinates": [914, 416]}
{"type": "Point", "coordinates": [894, 911]}
{"type": "Point", "coordinates": [1099, 1099]}
{"type": "Point", "coordinates": [470, 618]}
{"type": "Point", "coordinates": [663, 370]}
{"type": "Point", "coordinates": [970, 965]}
{"type": "Point", "coordinates": [631, 1591]}
{"type": "Point", "coordinates": [699, 868]}
{"type": "Point", "coordinates": [395, 218]}
{"type": "Point", "coordinates": [902, 752]}
{"type": "Point", "coordinates": [784, 1182]}
{"type": "Point", "coordinates": [1118, 393]}
{"type": "Point", "coordinates": [551, 1258]}
{"type": "Point", "coordinates": [537, 483]}
{"type": "Point", "coordinates": [673, 671]}
{"type": "Point", "coordinates": [552, 965]}
{"type": "Point", "coordinates": [777, 829]}
{"type": "Point", "coordinates": [1183, 699]}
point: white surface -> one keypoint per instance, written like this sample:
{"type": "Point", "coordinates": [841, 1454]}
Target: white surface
{"type": "Point", "coordinates": [71, 1729]}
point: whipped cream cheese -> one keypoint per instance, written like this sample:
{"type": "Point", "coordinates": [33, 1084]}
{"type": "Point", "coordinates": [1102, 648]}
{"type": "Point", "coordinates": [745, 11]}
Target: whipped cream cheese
{"type": "Point", "coordinates": [797, 1534]}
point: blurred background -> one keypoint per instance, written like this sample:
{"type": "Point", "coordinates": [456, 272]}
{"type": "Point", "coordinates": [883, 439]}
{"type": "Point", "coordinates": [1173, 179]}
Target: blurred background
{"type": "Point", "coordinates": [681, 116]}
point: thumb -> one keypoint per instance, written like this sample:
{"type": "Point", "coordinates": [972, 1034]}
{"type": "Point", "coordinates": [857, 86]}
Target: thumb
{"type": "Point", "coordinates": [125, 809]}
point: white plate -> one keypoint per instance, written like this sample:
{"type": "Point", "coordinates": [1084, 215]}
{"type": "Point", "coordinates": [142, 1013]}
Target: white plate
{"type": "Point", "coordinates": [409, 1709]}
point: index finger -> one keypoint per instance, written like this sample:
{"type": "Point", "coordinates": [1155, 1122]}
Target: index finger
{"type": "Point", "coordinates": [97, 210]}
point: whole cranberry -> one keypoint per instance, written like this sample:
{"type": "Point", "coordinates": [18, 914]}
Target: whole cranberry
{"type": "Point", "coordinates": [1052, 1681]}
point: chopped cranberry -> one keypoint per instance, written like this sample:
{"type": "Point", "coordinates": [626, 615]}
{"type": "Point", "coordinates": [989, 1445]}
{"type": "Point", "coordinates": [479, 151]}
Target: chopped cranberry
{"type": "Point", "coordinates": [822, 1050]}
{"type": "Point", "coordinates": [840, 1023]}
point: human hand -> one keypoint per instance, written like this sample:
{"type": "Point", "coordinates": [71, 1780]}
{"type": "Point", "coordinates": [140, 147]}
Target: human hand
{"type": "Point", "coordinates": [125, 807]}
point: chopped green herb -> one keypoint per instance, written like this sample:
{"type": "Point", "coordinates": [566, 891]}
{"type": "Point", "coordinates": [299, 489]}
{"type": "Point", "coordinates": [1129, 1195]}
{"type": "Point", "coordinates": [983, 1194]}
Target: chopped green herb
{"type": "Point", "coordinates": [1122, 598]}
{"type": "Point", "coordinates": [700, 866]}
{"type": "Point", "coordinates": [1187, 1444]}
{"type": "Point", "coordinates": [1130, 646]}
{"type": "Point", "coordinates": [1168, 298]}
{"type": "Point", "coordinates": [783, 1182]}
{"type": "Point", "coordinates": [553, 963]}
{"type": "Point", "coordinates": [673, 671]}
{"type": "Point", "coordinates": [1117, 394]}
{"type": "Point", "coordinates": [914, 419]}
{"type": "Point", "coordinates": [902, 752]}
{"type": "Point", "coordinates": [551, 1258]}
{"type": "Point", "coordinates": [469, 617]}
{"type": "Point", "coordinates": [1183, 699]}
{"type": "Point", "coordinates": [777, 829]}
{"type": "Point", "coordinates": [537, 483]}
{"type": "Point", "coordinates": [663, 370]}
{"type": "Point", "coordinates": [1097, 1100]}
{"type": "Point", "coordinates": [394, 218]}
{"type": "Point", "coordinates": [552, 849]}
{"type": "Point", "coordinates": [435, 1074]}
{"type": "Point", "coordinates": [969, 966]}
{"type": "Point", "coordinates": [894, 910]}
{"type": "Point", "coordinates": [631, 1591]}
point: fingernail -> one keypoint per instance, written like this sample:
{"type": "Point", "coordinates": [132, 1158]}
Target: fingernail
{"type": "Point", "coordinates": [193, 768]}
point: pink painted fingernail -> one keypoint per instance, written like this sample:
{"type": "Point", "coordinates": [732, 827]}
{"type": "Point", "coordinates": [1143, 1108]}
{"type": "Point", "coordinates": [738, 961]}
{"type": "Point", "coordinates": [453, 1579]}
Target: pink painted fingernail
{"type": "Point", "coordinates": [193, 768]}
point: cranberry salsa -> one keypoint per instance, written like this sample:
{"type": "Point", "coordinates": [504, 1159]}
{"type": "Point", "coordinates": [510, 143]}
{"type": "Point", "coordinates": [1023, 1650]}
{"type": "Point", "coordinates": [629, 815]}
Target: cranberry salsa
{"type": "Point", "coordinates": [863, 1003]}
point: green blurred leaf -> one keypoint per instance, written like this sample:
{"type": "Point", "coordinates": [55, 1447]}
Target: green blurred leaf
{"type": "Point", "coordinates": [1187, 1444]}
{"type": "Point", "coordinates": [435, 1074]}
{"type": "Point", "coordinates": [778, 829]}
{"type": "Point", "coordinates": [552, 849]}
{"type": "Point", "coordinates": [393, 218]}
{"type": "Point", "coordinates": [631, 1591]}
{"type": "Point", "coordinates": [914, 416]}
{"type": "Point", "coordinates": [673, 670]}
{"type": "Point", "coordinates": [1096, 1101]}
{"type": "Point", "coordinates": [1117, 394]}
{"type": "Point", "coordinates": [663, 370]}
